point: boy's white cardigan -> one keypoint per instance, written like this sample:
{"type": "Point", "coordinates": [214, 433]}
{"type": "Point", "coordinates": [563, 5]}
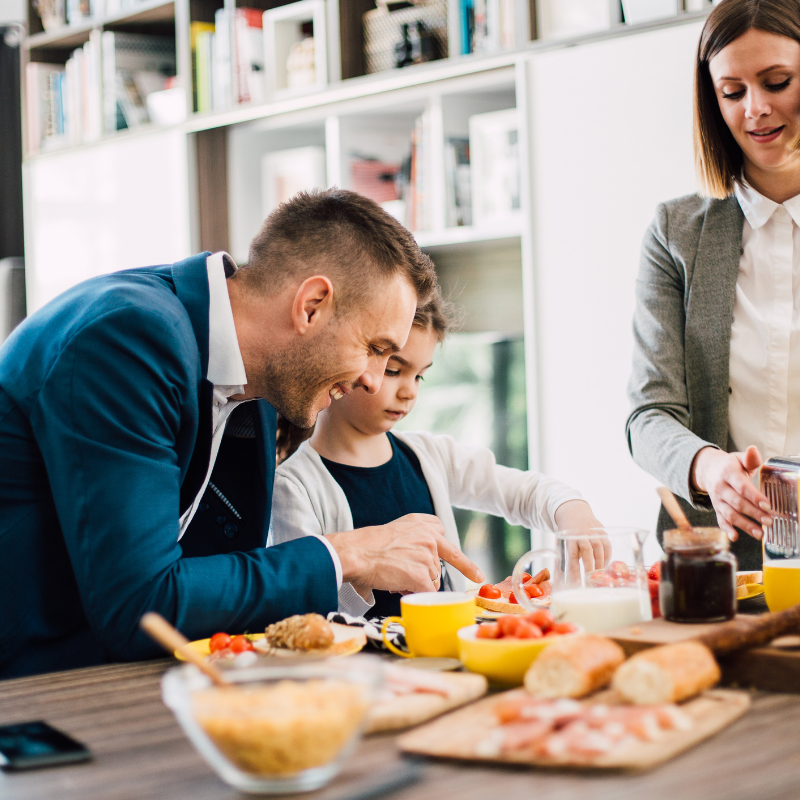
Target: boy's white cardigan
{"type": "Point", "coordinates": [307, 500]}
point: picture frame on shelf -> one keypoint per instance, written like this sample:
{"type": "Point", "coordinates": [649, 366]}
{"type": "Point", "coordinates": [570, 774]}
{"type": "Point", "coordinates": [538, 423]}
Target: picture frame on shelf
{"type": "Point", "coordinates": [284, 173]}
{"type": "Point", "coordinates": [557, 19]}
{"type": "Point", "coordinates": [295, 48]}
{"type": "Point", "coordinates": [637, 11]}
{"type": "Point", "coordinates": [495, 169]}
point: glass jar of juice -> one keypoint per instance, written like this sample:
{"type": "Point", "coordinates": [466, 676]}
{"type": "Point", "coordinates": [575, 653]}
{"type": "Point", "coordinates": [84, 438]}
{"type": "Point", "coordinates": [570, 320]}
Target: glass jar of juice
{"type": "Point", "coordinates": [698, 576]}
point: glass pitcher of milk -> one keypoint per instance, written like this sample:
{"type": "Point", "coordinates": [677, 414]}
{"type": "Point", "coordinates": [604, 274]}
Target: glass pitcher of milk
{"type": "Point", "coordinates": [598, 578]}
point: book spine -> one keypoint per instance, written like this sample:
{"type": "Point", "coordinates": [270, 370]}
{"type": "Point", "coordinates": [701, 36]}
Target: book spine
{"type": "Point", "coordinates": [222, 94]}
{"type": "Point", "coordinates": [109, 82]}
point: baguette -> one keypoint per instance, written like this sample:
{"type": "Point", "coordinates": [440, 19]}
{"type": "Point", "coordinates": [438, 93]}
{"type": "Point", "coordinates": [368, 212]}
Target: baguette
{"type": "Point", "coordinates": [574, 667]}
{"type": "Point", "coordinates": [667, 674]}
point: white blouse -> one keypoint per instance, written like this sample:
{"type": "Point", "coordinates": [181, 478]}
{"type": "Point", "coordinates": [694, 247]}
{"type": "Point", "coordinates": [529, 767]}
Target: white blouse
{"type": "Point", "coordinates": [764, 407]}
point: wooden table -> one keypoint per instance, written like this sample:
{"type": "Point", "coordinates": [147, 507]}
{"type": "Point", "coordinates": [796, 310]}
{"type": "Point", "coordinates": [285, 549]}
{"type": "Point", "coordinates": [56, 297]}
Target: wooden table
{"type": "Point", "coordinates": [139, 752]}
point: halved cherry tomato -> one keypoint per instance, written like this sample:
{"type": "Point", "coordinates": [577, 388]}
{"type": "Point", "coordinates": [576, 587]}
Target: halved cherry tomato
{"type": "Point", "coordinates": [534, 590]}
{"type": "Point", "coordinates": [564, 627]}
{"type": "Point", "coordinates": [219, 641]}
{"type": "Point", "coordinates": [527, 630]}
{"type": "Point", "coordinates": [512, 599]}
{"type": "Point", "coordinates": [525, 577]}
{"type": "Point", "coordinates": [619, 569]}
{"type": "Point", "coordinates": [240, 644]}
{"type": "Point", "coordinates": [489, 591]}
{"type": "Point", "coordinates": [543, 619]}
{"type": "Point", "coordinates": [489, 630]}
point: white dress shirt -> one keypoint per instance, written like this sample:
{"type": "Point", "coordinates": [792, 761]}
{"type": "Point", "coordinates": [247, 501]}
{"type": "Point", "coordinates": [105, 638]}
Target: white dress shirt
{"type": "Point", "coordinates": [226, 372]}
{"type": "Point", "coordinates": [764, 402]}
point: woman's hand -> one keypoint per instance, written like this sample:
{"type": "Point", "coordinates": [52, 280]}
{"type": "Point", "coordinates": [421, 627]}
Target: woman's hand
{"type": "Point", "coordinates": [594, 551]}
{"type": "Point", "coordinates": [726, 478]}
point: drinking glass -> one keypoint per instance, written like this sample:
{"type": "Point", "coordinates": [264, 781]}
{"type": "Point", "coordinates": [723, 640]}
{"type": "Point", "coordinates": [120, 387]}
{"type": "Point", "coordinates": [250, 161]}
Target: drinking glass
{"type": "Point", "coordinates": [781, 564]}
{"type": "Point", "coordinates": [597, 574]}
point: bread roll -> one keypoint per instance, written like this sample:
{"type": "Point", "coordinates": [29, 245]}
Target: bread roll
{"type": "Point", "coordinates": [667, 674]}
{"type": "Point", "coordinates": [574, 667]}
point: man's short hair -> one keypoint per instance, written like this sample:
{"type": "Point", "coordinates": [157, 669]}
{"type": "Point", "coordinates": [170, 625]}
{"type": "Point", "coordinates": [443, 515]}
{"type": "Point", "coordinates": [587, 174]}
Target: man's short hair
{"type": "Point", "coordinates": [342, 235]}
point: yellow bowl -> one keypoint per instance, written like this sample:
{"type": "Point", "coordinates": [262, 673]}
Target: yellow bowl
{"type": "Point", "coordinates": [503, 661]}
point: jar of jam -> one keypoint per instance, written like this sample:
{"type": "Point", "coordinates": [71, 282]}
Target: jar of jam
{"type": "Point", "coordinates": [698, 576]}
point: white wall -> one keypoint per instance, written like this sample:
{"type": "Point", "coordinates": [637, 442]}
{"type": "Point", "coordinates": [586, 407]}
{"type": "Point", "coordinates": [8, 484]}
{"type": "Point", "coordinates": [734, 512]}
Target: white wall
{"type": "Point", "coordinates": [13, 11]}
{"type": "Point", "coordinates": [104, 208]}
{"type": "Point", "coordinates": [611, 130]}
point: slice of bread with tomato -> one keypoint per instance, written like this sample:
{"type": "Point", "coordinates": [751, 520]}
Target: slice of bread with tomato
{"type": "Point", "coordinates": [502, 604]}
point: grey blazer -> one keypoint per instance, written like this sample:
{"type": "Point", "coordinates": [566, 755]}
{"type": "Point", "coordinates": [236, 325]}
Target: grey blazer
{"type": "Point", "coordinates": [678, 389]}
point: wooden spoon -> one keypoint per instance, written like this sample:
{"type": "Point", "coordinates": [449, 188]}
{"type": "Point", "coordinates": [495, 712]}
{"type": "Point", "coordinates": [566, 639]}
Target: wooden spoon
{"type": "Point", "coordinates": [673, 508]}
{"type": "Point", "coordinates": [173, 640]}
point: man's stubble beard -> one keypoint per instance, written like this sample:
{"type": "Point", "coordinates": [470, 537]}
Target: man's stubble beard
{"type": "Point", "coordinates": [294, 378]}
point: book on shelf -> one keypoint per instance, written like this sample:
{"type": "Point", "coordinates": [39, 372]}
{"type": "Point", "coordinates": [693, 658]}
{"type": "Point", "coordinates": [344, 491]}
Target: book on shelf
{"type": "Point", "coordinates": [45, 112]}
{"type": "Point", "coordinates": [134, 66]}
{"type": "Point", "coordinates": [222, 62]}
{"type": "Point", "coordinates": [248, 55]}
{"type": "Point", "coordinates": [418, 191]}
{"type": "Point", "coordinates": [201, 39]}
{"type": "Point", "coordinates": [458, 182]}
{"type": "Point", "coordinates": [79, 12]}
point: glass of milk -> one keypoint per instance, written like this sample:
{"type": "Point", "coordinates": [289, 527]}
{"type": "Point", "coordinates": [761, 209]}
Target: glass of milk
{"type": "Point", "coordinates": [597, 574]}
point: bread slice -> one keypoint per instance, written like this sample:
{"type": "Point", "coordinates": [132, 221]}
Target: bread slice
{"type": "Point", "coordinates": [667, 674]}
{"type": "Point", "coordinates": [749, 577]}
{"type": "Point", "coordinates": [500, 606]}
{"type": "Point", "coordinates": [574, 667]}
{"type": "Point", "coordinates": [347, 639]}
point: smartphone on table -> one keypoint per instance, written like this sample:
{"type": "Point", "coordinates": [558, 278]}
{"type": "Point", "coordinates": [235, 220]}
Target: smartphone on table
{"type": "Point", "coordinates": [27, 745]}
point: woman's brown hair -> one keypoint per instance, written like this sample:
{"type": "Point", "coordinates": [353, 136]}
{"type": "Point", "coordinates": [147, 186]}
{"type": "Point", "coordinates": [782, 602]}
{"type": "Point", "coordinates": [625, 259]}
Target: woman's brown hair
{"type": "Point", "coordinates": [437, 315]}
{"type": "Point", "coordinates": [717, 156]}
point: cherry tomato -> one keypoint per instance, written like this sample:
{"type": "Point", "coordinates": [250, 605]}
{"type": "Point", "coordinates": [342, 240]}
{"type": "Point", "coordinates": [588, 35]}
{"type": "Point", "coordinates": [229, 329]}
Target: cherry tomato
{"type": "Point", "coordinates": [564, 627]}
{"type": "Point", "coordinates": [489, 591]}
{"type": "Point", "coordinates": [543, 619]}
{"type": "Point", "coordinates": [508, 624]}
{"type": "Point", "coordinates": [527, 630]}
{"type": "Point", "coordinates": [534, 590]}
{"type": "Point", "coordinates": [654, 573]}
{"type": "Point", "coordinates": [240, 644]}
{"type": "Point", "coordinates": [525, 577]}
{"type": "Point", "coordinates": [219, 641]}
{"type": "Point", "coordinates": [512, 599]}
{"type": "Point", "coordinates": [489, 630]}
{"type": "Point", "coordinates": [619, 569]}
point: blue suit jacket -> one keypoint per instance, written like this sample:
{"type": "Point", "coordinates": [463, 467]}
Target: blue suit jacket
{"type": "Point", "coordinates": [105, 432]}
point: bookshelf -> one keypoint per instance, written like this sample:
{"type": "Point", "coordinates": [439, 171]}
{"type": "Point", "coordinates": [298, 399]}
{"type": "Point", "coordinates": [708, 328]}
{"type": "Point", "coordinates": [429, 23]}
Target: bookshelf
{"type": "Point", "coordinates": [199, 184]}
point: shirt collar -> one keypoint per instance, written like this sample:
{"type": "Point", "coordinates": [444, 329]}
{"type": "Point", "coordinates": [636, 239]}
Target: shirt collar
{"type": "Point", "coordinates": [758, 209]}
{"type": "Point", "coordinates": [225, 365]}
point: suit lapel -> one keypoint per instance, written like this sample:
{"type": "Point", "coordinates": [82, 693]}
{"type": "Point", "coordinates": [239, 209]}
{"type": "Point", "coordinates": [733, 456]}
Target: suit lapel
{"type": "Point", "coordinates": [266, 424]}
{"type": "Point", "coordinates": [710, 298]}
{"type": "Point", "coordinates": [191, 286]}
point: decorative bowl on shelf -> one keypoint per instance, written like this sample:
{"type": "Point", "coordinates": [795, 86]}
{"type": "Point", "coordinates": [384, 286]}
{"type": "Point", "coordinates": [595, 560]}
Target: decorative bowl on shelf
{"type": "Point", "coordinates": [275, 729]}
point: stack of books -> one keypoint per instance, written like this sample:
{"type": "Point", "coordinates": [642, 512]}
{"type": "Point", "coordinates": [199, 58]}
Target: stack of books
{"type": "Point", "coordinates": [488, 26]}
{"type": "Point", "coordinates": [228, 59]}
{"type": "Point", "coordinates": [102, 88]}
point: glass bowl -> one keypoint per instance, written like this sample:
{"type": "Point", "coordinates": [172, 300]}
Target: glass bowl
{"type": "Point", "coordinates": [275, 729]}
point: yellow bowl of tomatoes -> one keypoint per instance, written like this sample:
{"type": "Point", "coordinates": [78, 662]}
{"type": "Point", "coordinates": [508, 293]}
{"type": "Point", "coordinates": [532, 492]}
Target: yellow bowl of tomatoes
{"type": "Point", "coordinates": [503, 650]}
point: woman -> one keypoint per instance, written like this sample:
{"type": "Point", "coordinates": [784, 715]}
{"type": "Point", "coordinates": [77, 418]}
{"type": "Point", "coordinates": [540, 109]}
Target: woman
{"type": "Point", "coordinates": [715, 386]}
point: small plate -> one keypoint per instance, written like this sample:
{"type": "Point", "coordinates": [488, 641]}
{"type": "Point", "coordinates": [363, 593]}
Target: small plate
{"type": "Point", "coordinates": [753, 590]}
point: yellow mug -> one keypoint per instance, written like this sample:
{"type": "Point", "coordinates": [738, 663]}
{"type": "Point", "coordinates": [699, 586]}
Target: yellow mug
{"type": "Point", "coordinates": [431, 621]}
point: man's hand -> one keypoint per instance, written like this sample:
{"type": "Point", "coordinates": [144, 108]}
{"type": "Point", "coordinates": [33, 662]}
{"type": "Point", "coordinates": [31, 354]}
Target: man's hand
{"type": "Point", "coordinates": [594, 551]}
{"type": "Point", "coordinates": [726, 478]}
{"type": "Point", "coordinates": [402, 556]}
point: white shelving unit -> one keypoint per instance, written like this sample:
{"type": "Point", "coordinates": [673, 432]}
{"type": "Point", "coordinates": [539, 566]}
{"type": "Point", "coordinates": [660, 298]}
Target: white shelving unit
{"type": "Point", "coordinates": [600, 144]}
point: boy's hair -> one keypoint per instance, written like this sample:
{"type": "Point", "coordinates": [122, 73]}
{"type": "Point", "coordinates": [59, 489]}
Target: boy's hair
{"type": "Point", "coordinates": [340, 234]}
{"type": "Point", "coordinates": [437, 315]}
{"type": "Point", "coordinates": [718, 157]}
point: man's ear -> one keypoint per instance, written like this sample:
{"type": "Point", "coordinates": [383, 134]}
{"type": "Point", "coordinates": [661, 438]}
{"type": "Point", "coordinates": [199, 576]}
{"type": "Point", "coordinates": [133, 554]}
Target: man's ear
{"type": "Point", "coordinates": [312, 308]}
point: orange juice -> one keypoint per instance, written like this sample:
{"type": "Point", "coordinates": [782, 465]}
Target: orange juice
{"type": "Point", "coordinates": [782, 583]}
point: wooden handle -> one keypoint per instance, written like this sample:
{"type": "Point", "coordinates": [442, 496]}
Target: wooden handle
{"type": "Point", "coordinates": [751, 631]}
{"type": "Point", "coordinates": [673, 508]}
{"type": "Point", "coordinates": [173, 640]}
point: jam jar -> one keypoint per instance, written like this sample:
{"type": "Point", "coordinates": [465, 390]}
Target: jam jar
{"type": "Point", "coordinates": [698, 576]}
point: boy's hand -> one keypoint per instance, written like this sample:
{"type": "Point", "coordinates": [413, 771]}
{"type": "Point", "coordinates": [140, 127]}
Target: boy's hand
{"type": "Point", "coordinates": [401, 556]}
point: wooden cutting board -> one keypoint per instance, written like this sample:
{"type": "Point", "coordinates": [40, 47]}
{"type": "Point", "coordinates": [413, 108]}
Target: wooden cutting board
{"type": "Point", "coordinates": [458, 734]}
{"type": "Point", "coordinates": [775, 668]}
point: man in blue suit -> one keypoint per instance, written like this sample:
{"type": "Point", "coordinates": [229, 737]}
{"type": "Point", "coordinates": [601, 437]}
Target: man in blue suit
{"type": "Point", "coordinates": [114, 403]}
